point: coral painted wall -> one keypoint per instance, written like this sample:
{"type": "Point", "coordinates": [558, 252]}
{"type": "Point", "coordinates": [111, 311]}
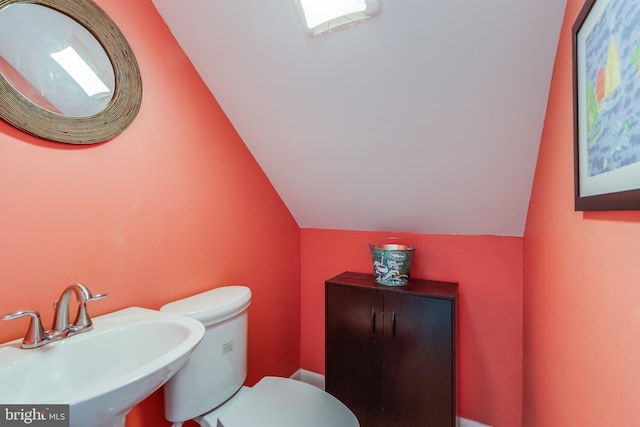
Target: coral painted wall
{"type": "Point", "coordinates": [173, 206]}
{"type": "Point", "coordinates": [489, 272]}
{"type": "Point", "coordinates": [581, 293]}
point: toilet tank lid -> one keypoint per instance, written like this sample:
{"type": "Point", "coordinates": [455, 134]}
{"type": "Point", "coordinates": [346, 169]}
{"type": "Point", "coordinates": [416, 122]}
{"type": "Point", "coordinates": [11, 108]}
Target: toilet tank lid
{"type": "Point", "coordinates": [212, 306]}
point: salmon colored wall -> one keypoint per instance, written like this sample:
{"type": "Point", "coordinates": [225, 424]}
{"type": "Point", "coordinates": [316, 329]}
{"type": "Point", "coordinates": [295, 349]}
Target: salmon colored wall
{"type": "Point", "coordinates": [173, 206]}
{"type": "Point", "coordinates": [581, 293]}
{"type": "Point", "coordinates": [489, 272]}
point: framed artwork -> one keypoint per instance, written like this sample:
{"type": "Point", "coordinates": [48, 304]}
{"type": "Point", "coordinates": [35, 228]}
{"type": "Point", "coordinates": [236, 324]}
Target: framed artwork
{"type": "Point", "coordinates": [606, 85]}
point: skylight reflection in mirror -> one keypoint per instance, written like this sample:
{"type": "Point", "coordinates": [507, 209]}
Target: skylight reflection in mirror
{"type": "Point", "coordinates": [49, 58]}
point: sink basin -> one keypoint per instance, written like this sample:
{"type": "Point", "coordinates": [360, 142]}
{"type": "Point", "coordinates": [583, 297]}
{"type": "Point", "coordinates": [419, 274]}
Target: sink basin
{"type": "Point", "coordinates": [102, 373]}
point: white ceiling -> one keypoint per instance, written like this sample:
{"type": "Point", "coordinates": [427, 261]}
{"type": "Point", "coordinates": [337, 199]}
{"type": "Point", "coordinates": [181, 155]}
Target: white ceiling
{"type": "Point", "coordinates": [426, 118]}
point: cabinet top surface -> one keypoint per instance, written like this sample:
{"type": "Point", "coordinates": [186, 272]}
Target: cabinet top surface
{"type": "Point", "coordinates": [421, 286]}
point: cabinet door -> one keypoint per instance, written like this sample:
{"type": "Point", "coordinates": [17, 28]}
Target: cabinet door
{"type": "Point", "coordinates": [354, 351]}
{"type": "Point", "coordinates": [419, 361]}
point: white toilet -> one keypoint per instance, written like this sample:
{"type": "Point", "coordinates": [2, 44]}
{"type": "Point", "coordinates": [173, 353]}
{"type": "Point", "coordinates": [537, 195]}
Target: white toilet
{"type": "Point", "coordinates": [209, 387]}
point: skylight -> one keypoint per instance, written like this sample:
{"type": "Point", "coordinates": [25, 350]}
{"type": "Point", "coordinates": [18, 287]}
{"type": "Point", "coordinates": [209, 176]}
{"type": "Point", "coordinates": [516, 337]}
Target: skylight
{"type": "Point", "coordinates": [321, 16]}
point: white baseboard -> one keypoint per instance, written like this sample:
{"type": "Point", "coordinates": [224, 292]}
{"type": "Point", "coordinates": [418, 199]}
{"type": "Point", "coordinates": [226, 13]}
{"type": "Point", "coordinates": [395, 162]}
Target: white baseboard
{"type": "Point", "coordinates": [317, 380]}
{"type": "Point", "coordinates": [463, 422]}
{"type": "Point", "coordinates": [309, 377]}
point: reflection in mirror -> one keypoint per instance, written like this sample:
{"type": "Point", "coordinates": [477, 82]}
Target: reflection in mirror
{"type": "Point", "coordinates": [67, 72]}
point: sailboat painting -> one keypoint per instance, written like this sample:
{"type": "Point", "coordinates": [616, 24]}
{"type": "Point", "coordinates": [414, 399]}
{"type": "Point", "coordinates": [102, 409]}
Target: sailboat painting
{"type": "Point", "coordinates": [610, 88]}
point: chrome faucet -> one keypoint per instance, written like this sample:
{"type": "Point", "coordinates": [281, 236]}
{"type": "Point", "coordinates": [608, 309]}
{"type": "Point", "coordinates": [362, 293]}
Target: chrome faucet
{"type": "Point", "coordinates": [36, 335]}
{"type": "Point", "coordinates": [82, 323]}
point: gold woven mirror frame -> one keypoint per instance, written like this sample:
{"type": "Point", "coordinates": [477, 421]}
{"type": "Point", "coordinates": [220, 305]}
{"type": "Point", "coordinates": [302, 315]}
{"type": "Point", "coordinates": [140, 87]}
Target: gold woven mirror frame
{"type": "Point", "coordinates": [119, 112]}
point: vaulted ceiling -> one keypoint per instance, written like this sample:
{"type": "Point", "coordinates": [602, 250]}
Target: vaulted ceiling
{"type": "Point", "coordinates": [426, 118]}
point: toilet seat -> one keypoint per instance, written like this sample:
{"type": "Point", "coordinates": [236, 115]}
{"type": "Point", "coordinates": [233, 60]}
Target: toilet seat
{"type": "Point", "coordinates": [281, 402]}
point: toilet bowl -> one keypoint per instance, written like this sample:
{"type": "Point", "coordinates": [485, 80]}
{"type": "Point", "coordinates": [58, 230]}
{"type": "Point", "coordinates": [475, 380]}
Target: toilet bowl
{"type": "Point", "coordinates": [209, 387]}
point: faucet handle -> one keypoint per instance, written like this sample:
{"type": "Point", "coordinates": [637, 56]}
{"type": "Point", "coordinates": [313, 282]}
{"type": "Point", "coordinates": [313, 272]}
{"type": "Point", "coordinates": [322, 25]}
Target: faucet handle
{"type": "Point", "coordinates": [97, 296]}
{"type": "Point", "coordinates": [35, 336]}
{"type": "Point", "coordinates": [83, 321]}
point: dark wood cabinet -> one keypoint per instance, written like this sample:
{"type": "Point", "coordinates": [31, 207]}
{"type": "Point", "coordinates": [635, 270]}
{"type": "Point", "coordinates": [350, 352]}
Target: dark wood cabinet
{"type": "Point", "coordinates": [390, 351]}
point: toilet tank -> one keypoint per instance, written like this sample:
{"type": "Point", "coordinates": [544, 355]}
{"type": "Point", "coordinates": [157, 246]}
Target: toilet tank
{"type": "Point", "coordinates": [217, 367]}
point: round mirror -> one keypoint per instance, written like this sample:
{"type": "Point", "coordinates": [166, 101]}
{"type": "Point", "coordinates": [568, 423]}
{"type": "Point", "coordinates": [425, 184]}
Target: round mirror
{"type": "Point", "coordinates": [66, 72]}
{"type": "Point", "coordinates": [53, 61]}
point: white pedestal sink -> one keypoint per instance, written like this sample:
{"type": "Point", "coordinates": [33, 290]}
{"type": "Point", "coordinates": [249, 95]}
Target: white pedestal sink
{"type": "Point", "coordinates": [102, 373]}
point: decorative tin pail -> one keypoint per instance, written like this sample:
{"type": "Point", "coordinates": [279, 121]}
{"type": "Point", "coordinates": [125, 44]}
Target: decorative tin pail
{"type": "Point", "coordinates": [392, 260]}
